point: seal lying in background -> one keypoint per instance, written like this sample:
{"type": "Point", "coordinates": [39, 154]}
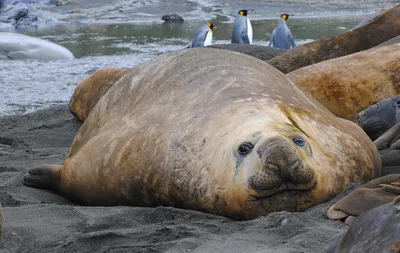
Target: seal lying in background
{"type": "Point", "coordinates": [92, 88]}
{"type": "Point", "coordinates": [349, 84]}
{"type": "Point", "coordinates": [233, 138]}
{"type": "Point", "coordinates": [380, 117]}
{"type": "Point", "coordinates": [14, 46]}
{"type": "Point", "coordinates": [379, 30]}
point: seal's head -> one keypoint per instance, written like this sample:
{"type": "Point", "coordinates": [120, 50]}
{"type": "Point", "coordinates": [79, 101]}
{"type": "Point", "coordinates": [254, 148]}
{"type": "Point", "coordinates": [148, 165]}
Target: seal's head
{"type": "Point", "coordinates": [379, 117]}
{"type": "Point", "coordinates": [288, 160]}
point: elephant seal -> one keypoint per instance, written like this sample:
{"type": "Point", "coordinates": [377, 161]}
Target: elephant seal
{"type": "Point", "coordinates": [349, 84]}
{"type": "Point", "coordinates": [210, 130]}
{"type": "Point", "coordinates": [15, 46]}
{"type": "Point", "coordinates": [377, 230]}
{"type": "Point", "coordinates": [92, 88]}
{"type": "Point", "coordinates": [260, 52]}
{"type": "Point", "coordinates": [381, 29]}
{"type": "Point", "coordinates": [392, 41]}
{"type": "Point", "coordinates": [369, 18]}
{"type": "Point", "coordinates": [378, 118]}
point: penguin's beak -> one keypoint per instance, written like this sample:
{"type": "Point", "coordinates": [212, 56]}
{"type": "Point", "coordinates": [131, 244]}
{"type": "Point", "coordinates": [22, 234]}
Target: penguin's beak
{"type": "Point", "coordinates": [248, 11]}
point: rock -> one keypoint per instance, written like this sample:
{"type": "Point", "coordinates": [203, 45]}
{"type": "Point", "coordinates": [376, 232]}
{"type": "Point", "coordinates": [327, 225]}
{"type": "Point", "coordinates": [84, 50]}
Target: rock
{"type": "Point", "coordinates": [78, 10]}
{"type": "Point", "coordinates": [172, 18]}
{"type": "Point", "coordinates": [23, 15]}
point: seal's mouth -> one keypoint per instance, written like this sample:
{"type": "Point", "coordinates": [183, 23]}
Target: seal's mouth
{"type": "Point", "coordinates": [291, 188]}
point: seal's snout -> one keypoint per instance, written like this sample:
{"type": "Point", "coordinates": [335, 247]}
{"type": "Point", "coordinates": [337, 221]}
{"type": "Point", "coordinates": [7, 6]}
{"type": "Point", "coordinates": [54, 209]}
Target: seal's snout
{"type": "Point", "coordinates": [282, 166]}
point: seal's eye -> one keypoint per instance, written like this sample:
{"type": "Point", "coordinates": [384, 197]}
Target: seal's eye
{"type": "Point", "coordinates": [299, 141]}
{"type": "Point", "coordinates": [398, 103]}
{"type": "Point", "coordinates": [245, 148]}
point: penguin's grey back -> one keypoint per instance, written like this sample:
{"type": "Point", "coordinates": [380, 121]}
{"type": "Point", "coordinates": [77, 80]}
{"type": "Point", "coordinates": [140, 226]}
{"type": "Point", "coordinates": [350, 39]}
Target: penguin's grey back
{"type": "Point", "coordinates": [200, 36]}
{"type": "Point", "coordinates": [282, 36]}
{"type": "Point", "coordinates": [239, 29]}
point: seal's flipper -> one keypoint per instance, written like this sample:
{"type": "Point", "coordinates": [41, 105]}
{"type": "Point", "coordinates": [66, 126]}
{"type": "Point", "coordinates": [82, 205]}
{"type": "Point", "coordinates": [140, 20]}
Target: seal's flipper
{"type": "Point", "coordinates": [366, 198]}
{"type": "Point", "coordinates": [376, 183]}
{"type": "Point", "coordinates": [45, 176]}
{"type": "Point", "coordinates": [358, 202]}
{"type": "Point", "coordinates": [388, 138]}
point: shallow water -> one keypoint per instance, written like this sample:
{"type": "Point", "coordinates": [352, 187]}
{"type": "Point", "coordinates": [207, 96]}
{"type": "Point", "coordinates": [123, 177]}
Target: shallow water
{"type": "Point", "coordinates": [26, 86]}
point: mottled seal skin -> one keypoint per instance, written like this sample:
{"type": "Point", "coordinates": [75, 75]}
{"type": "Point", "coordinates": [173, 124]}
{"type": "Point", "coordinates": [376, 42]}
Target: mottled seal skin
{"type": "Point", "coordinates": [379, 30]}
{"type": "Point", "coordinates": [349, 84]}
{"type": "Point", "coordinates": [92, 88]}
{"type": "Point", "coordinates": [377, 230]}
{"type": "Point", "coordinates": [234, 138]}
{"type": "Point", "coordinates": [379, 117]}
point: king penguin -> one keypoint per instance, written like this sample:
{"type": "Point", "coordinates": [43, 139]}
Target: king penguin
{"type": "Point", "coordinates": [282, 36]}
{"type": "Point", "coordinates": [242, 30]}
{"type": "Point", "coordinates": [203, 36]}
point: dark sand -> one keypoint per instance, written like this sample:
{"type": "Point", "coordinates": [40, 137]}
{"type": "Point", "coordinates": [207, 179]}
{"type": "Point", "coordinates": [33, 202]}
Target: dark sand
{"type": "Point", "coordinates": [41, 221]}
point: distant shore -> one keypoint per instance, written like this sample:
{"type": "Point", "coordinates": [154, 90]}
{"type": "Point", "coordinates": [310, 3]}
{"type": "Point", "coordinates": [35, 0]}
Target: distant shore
{"type": "Point", "coordinates": [122, 11]}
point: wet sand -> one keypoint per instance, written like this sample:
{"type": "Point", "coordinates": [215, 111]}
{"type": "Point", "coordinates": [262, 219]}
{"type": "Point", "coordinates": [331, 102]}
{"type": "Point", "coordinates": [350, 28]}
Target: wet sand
{"type": "Point", "coordinates": [37, 220]}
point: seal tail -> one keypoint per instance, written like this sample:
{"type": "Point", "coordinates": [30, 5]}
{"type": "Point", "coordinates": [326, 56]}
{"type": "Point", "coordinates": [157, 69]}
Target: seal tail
{"type": "Point", "coordinates": [46, 176]}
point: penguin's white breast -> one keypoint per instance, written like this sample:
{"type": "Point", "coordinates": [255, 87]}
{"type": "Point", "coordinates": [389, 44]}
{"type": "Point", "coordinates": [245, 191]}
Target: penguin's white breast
{"type": "Point", "coordinates": [208, 39]}
{"type": "Point", "coordinates": [249, 31]}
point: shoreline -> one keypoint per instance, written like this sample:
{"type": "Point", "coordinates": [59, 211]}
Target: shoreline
{"type": "Point", "coordinates": [124, 12]}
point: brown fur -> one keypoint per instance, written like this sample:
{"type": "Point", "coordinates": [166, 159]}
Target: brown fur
{"type": "Point", "coordinates": [379, 30]}
{"type": "Point", "coordinates": [92, 88]}
{"type": "Point", "coordinates": [169, 134]}
{"type": "Point", "coordinates": [349, 84]}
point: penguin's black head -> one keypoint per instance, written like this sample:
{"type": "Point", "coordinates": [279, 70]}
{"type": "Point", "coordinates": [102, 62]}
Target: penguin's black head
{"type": "Point", "coordinates": [285, 16]}
{"type": "Point", "coordinates": [245, 12]}
{"type": "Point", "coordinates": [212, 27]}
